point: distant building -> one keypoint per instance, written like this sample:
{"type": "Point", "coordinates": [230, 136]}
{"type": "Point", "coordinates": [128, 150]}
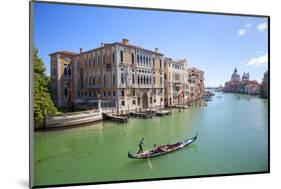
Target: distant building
{"type": "Point", "coordinates": [252, 88]}
{"type": "Point", "coordinates": [245, 86]}
{"type": "Point", "coordinates": [264, 87]}
{"type": "Point", "coordinates": [235, 76]}
{"type": "Point", "coordinates": [246, 77]}
{"type": "Point", "coordinates": [176, 90]}
{"type": "Point", "coordinates": [196, 84]}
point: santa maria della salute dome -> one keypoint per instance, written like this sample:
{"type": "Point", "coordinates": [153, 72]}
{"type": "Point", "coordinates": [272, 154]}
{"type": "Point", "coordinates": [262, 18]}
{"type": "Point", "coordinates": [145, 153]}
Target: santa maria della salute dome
{"type": "Point", "coordinates": [235, 76]}
{"type": "Point", "coordinates": [246, 86]}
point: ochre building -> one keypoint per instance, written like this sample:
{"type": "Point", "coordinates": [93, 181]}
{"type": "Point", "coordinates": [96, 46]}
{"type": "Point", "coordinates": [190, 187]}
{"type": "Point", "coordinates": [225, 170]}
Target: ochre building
{"type": "Point", "coordinates": [122, 75]}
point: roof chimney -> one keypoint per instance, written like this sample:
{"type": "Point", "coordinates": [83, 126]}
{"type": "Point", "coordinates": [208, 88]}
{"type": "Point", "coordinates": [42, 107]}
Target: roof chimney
{"type": "Point", "coordinates": [102, 44]}
{"type": "Point", "coordinates": [156, 49]}
{"type": "Point", "coordinates": [81, 50]}
{"type": "Point", "coordinates": [125, 41]}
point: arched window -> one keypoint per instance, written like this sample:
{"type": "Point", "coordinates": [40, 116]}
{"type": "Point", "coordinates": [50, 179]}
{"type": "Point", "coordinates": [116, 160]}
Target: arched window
{"type": "Point", "coordinates": [144, 79]}
{"type": "Point", "coordinates": [153, 61]}
{"type": "Point", "coordinates": [98, 60]}
{"type": "Point", "coordinates": [133, 78]}
{"type": "Point", "coordinates": [138, 79]}
{"type": "Point", "coordinates": [141, 79]}
{"type": "Point", "coordinates": [147, 80]}
{"type": "Point", "coordinates": [121, 56]}
{"type": "Point", "coordinates": [138, 59]}
{"type": "Point", "coordinates": [146, 60]}
{"type": "Point", "coordinates": [160, 63]}
{"type": "Point", "coordinates": [122, 78]}
{"type": "Point", "coordinates": [69, 71]}
{"type": "Point", "coordinates": [141, 59]}
{"type": "Point", "coordinates": [65, 71]}
{"type": "Point", "coordinates": [99, 80]}
{"type": "Point", "coordinates": [133, 58]}
{"type": "Point", "coordinates": [65, 92]}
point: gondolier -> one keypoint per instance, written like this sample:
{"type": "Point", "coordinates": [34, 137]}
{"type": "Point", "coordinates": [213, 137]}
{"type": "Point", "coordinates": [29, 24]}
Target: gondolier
{"type": "Point", "coordinates": [161, 149]}
{"type": "Point", "coordinates": [141, 144]}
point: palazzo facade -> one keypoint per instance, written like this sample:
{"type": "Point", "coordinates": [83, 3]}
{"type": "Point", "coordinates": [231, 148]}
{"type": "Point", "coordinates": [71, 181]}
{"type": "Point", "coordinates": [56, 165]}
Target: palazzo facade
{"type": "Point", "coordinates": [127, 76]}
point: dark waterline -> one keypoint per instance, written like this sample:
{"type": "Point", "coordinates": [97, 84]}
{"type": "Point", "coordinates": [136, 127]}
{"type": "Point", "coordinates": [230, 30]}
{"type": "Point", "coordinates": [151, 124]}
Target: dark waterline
{"type": "Point", "coordinates": [233, 138]}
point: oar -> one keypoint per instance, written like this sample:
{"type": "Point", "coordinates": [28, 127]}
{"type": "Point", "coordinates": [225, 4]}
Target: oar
{"type": "Point", "coordinates": [148, 160]}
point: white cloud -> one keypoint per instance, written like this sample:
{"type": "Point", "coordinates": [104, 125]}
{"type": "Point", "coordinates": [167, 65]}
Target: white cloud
{"type": "Point", "coordinates": [258, 61]}
{"type": "Point", "coordinates": [262, 26]}
{"type": "Point", "coordinates": [241, 32]}
{"type": "Point", "coordinates": [248, 24]}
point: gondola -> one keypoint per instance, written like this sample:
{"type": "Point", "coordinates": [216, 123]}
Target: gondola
{"type": "Point", "coordinates": [161, 150]}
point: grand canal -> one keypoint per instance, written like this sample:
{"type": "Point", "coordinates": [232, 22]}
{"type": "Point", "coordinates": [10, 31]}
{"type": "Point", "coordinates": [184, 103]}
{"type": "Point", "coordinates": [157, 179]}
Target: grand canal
{"type": "Point", "coordinates": [233, 138]}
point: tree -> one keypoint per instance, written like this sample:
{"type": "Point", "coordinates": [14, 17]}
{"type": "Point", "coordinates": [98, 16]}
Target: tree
{"type": "Point", "coordinates": [43, 104]}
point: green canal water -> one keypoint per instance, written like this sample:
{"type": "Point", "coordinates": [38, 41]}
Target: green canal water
{"type": "Point", "coordinates": [233, 138]}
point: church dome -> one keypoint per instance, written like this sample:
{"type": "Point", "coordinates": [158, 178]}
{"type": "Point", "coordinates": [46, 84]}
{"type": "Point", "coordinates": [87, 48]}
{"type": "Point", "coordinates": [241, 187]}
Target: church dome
{"type": "Point", "coordinates": [235, 76]}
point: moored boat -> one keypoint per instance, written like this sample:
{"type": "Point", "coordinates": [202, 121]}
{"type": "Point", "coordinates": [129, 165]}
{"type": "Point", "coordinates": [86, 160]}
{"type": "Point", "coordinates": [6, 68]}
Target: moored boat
{"type": "Point", "coordinates": [181, 106]}
{"type": "Point", "coordinates": [161, 150]}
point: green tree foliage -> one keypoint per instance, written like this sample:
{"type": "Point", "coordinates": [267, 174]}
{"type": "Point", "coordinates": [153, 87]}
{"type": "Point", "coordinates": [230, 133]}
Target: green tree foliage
{"type": "Point", "coordinates": [43, 103]}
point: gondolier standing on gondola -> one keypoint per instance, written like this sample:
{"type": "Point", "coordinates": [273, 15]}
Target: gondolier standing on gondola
{"type": "Point", "coordinates": [141, 144]}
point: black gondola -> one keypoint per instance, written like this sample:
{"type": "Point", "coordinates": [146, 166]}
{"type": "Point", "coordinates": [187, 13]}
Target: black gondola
{"type": "Point", "coordinates": [162, 149]}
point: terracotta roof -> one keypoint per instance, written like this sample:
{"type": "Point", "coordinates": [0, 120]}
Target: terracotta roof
{"type": "Point", "coordinates": [64, 52]}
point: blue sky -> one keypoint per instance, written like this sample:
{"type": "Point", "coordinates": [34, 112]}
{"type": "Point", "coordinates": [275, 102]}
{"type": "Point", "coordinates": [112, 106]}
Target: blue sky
{"type": "Point", "coordinates": [214, 43]}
